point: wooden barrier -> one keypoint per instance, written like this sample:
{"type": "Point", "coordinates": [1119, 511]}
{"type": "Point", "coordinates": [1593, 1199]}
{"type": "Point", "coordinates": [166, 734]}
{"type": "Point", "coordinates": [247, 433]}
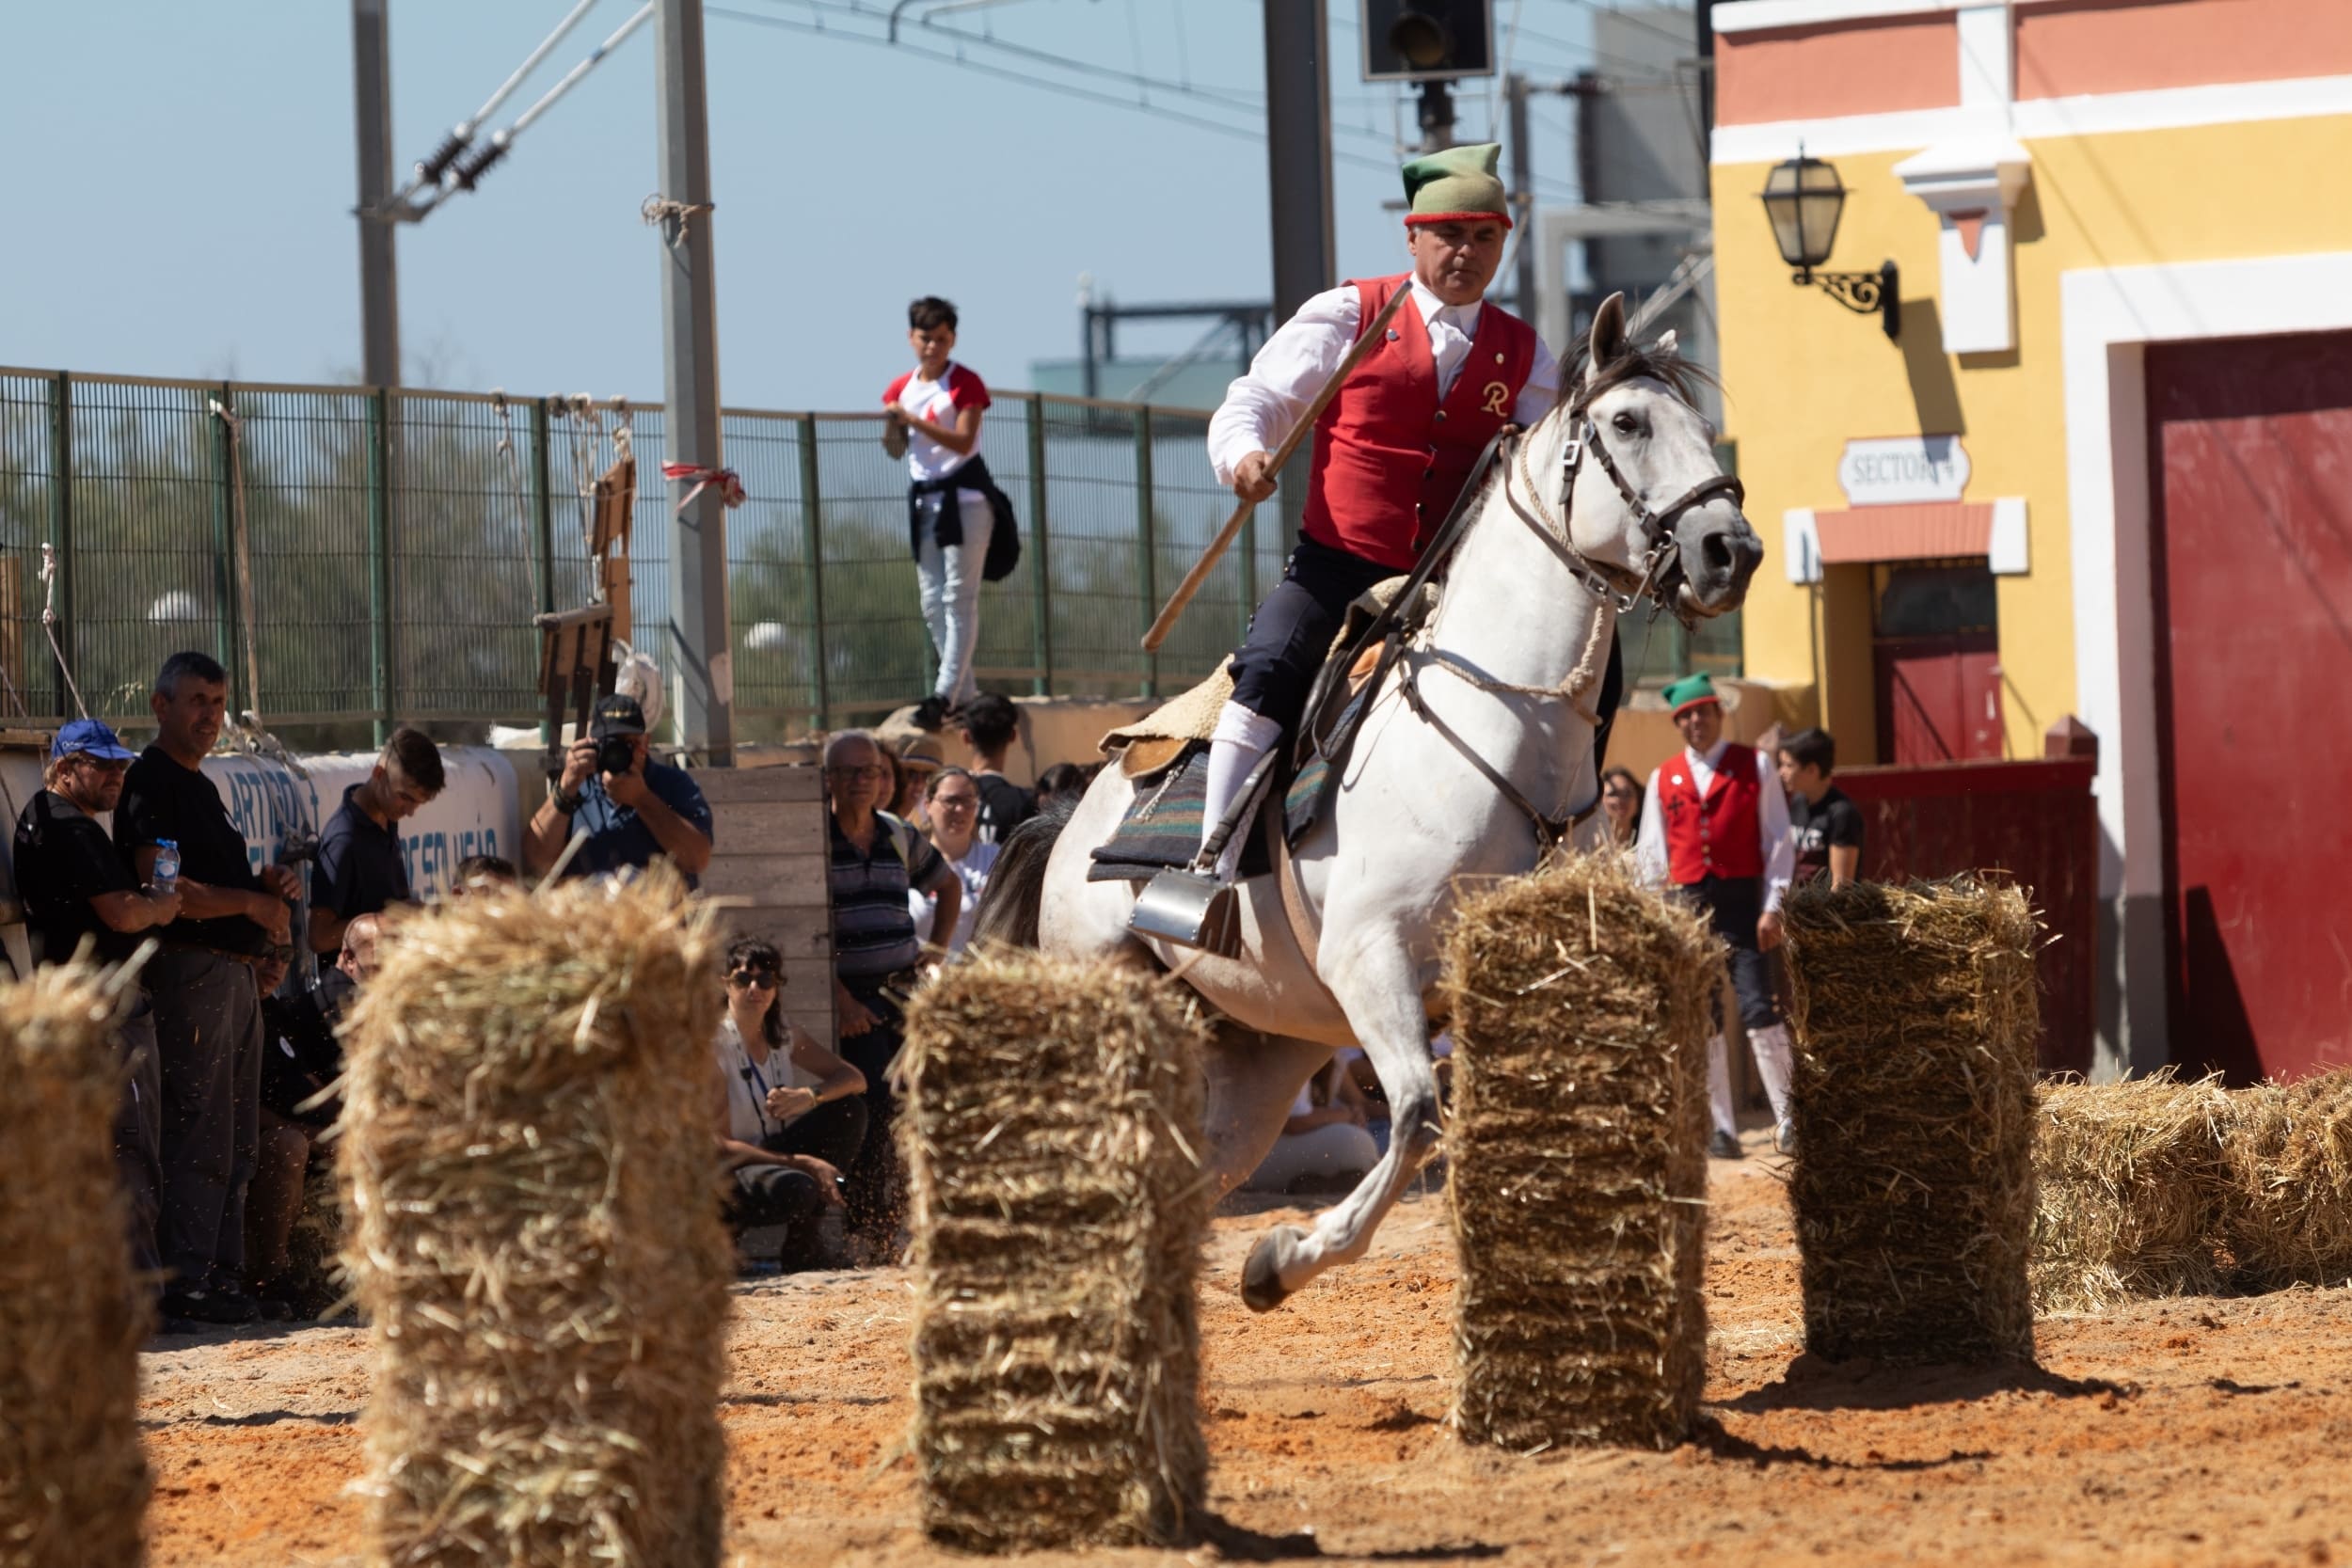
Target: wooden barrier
{"type": "Point", "coordinates": [769, 848]}
{"type": "Point", "coordinates": [2034, 820]}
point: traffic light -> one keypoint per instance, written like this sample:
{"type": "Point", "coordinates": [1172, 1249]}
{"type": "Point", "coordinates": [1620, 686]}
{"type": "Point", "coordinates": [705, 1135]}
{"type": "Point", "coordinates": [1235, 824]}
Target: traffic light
{"type": "Point", "coordinates": [1427, 40]}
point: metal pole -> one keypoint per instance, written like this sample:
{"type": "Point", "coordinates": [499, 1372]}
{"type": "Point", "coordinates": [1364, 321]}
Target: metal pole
{"type": "Point", "coordinates": [542, 527]}
{"type": "Point", "coordinates": [1523, 197]}
{"type": "Point", "coordinates": [1040, 570]}
{"type": "Point", "coordinates": [1147, 543]}
{"type": "Point", "coordinates": [1298, 188]}
{"type": "Point", "coordinates": [702, 663]}
{"type": "Point", "coordinates": [380, 672]}
{"type": "Point", "coordinates": [813, 545]}
{"type": "Point", "coordinates": [61, 530]}
{"type": "Point", "coordinates": [379, 284]}
{"type": "Point", "coordinates": [223, 590]}
{"type": "Point", "coordinates": [1436, 116]}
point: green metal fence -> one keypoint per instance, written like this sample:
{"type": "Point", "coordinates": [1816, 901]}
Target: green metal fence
{"type": "Point", "coordinates": [401, 541]}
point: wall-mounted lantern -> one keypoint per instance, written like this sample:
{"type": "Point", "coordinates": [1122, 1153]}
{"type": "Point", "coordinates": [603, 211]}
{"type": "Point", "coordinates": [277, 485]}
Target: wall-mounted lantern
{"type": "Point", "coordinates": [1803, 198]}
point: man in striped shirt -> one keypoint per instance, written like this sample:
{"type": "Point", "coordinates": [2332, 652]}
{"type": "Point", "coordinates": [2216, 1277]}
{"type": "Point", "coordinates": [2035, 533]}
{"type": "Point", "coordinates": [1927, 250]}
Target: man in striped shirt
{"type": "Point", "coordinates": [876, 860]}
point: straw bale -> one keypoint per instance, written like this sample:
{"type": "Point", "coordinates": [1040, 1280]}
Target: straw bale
{"type": "Point", "coordinates": [74, 1480]}
{"type": "Point", "coordinates": [1578, 1147]}
{"type": "Point", "coordinates": [2289, 1151]}
{"type": "Point", "coordinates": [535, 1235]}
{"type": "Point", "coordinates": [2132, 1191]}
{"type": "Point", "coordinates": [1916, 1019]}
{"type": "Point", "coordinates": [1052, 1137]}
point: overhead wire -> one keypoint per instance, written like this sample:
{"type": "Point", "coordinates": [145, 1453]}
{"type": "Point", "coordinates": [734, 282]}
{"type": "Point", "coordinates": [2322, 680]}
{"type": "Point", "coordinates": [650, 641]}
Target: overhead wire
{"type": "Point", "coordinates": [986, 68]}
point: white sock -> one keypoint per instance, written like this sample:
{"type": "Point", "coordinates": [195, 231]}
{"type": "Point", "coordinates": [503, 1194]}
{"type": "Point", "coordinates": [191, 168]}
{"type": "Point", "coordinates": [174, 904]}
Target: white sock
{"type": "Point", "coordinates": [1719, 1086]}
{"type": "Point", "coordinates": [1775, 1064]}
{"type": "Point", "coordinates": [1240, 739]}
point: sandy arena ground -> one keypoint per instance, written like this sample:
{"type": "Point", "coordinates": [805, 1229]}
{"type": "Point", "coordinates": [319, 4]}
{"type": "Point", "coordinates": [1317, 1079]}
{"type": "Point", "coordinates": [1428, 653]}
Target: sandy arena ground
{"type": "Point", "coordinates": [2190, 1431]}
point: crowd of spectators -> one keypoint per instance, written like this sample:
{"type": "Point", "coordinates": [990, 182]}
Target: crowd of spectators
{"type": "Point", "coordinates": [230, 1049]}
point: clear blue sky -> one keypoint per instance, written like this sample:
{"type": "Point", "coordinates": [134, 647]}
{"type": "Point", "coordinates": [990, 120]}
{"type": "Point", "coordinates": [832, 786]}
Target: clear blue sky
{"type": "Point", "coordinates": [179, 179]}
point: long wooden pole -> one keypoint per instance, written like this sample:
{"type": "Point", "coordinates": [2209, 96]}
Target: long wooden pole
{"type": "Point", "coordinates": [1173, 611]}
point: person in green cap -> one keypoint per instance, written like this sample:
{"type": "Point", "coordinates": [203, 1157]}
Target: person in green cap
{"type": "Point", "coordinates": [1715, 828]}
{"type": "Point", "coordinates": [1392, 451]}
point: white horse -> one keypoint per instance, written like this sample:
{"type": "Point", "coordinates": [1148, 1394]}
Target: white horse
{"type": "Point", "coordinates": [1516, 645]}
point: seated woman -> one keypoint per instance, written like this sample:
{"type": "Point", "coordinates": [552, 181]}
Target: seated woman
{"type": "Point", "coordinates": [1325, 1146]}
{"type": "Point", "coordinates": [795, 1112]}
{"type": "Point", "coordinates": [952, 803]}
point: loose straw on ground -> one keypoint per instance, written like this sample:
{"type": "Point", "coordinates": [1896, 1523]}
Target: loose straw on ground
{"type": "Point", "coordinates": [530, 1185]}
{"type": "Point", "coordinates": [1913, 1187]}
{"type": "Point", "coordinates": [1052, 1135]}
{"type": "Point", "coordinates": [2132, 1192]}
{"type": "Point", "coordinates": [74, 1482]}
{"type": "Point", "coordinates": [1578, 1158]}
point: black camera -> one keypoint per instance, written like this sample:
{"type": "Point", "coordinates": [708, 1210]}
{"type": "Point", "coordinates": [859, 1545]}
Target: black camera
{"type": "Point", "coordinates": [615, 754]}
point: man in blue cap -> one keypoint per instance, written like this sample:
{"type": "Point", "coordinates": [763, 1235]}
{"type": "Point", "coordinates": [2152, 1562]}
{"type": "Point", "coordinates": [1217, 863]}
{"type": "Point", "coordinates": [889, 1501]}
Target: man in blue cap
{"type": "Point", "coordinates": [77, 889]}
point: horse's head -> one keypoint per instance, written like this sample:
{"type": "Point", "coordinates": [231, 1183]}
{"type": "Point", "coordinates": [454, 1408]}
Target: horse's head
{"type": "Point", "coordinates": [1648, 477]}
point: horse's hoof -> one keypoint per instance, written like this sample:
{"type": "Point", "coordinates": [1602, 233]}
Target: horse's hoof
{"type": "Point", "coordinates": [1262, 1275]}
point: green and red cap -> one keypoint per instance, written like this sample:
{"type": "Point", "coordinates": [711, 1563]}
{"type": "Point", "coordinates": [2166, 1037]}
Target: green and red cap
{"type": "Point", "coordinates": [1690, 693]}
{"type": "Point", "coordinates": [1458, 185]}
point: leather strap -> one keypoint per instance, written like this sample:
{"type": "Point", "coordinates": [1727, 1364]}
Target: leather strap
{"type": "Point", "coordinates": [1550, 830]}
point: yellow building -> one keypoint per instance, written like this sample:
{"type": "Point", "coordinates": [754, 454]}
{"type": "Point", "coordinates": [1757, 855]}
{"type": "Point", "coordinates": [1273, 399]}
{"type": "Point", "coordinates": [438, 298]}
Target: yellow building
{"type": "Point", "coordinates": [2105, 466]}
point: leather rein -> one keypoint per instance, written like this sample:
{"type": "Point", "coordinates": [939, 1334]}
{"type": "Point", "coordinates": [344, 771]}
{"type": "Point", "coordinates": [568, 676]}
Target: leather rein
{"type": "Point", "coordinates": [1658, 561]}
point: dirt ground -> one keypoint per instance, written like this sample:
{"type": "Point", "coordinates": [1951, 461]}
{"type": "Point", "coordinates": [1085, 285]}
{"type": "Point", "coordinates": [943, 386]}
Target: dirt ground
{"type": "Point", "coordinates": [2186, 1432]}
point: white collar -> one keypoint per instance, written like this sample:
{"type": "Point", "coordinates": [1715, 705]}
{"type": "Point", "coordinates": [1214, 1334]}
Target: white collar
{"type": "Point", "coordinates": [1712, 756]}
{"type": "Point", "coordinates": [1464, 317]}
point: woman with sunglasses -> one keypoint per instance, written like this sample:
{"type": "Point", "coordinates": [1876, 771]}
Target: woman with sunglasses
{"type": "Point", "coordinates": [795, 1112]}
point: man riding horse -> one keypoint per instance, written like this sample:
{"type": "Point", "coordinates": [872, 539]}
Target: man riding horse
{"type": "Point", "coordinates": [1612, 497]}
{"type": "Point", "coordinates": [1392, 451]}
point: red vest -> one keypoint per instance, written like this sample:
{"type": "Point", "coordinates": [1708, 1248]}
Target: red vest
{"type": "Point", "coordinates": [1390, 461]}
{"type": "Point", "coordinates": [1719, 836]}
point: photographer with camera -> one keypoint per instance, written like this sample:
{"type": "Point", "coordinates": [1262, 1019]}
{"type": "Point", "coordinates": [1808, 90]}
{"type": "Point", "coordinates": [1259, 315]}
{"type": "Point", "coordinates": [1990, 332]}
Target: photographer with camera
{"type": "Point", "coordinates": [627, 807]}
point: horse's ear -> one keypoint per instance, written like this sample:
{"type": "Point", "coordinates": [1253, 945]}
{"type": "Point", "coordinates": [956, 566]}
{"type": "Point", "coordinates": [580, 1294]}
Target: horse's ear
{"type": "Point", "coordinates": [1607, 343]}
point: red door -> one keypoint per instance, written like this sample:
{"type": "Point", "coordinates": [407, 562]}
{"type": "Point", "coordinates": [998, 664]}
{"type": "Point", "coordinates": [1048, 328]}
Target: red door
{"type": "Point", "coordinates": [2251, 452]}
{"type": "Point", "coordinates": [1936, 647]}
{"type": "Point", "coordinates": [1940, 699]}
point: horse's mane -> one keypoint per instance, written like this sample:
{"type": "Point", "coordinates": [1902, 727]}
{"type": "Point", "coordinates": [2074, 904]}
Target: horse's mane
{"type": "Point", "coordinates": [1639, 361]}
{"type": "Point", "coordinates": [1658, 363]}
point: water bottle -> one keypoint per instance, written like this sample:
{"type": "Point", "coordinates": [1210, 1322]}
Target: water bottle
{"type": "Point", "coordinates": [167, 874]}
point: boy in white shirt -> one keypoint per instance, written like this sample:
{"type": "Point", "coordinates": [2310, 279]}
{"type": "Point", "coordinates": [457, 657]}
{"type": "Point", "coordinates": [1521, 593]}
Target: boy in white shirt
{"type": "Point", "coordinates": [951, 499]}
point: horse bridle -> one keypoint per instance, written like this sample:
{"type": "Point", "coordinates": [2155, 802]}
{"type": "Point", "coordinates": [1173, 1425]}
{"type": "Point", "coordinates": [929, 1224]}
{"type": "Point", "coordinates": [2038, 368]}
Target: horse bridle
{"type": "Point", "coordinates": [1663, 550]}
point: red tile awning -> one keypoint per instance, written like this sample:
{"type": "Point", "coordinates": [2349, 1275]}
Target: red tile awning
{"type": "Point", "coordinates": [1928, 530]}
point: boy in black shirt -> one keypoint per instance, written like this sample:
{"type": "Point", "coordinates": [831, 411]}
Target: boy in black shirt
{"type": "Point", "coordinates": [75, 887]}
{"type": "Point", "coordinates": [208, 1015]}
{"type": "Point", "coordinates": [1825, 825]}
{"type": "Point", "coordinates": [991, 724]}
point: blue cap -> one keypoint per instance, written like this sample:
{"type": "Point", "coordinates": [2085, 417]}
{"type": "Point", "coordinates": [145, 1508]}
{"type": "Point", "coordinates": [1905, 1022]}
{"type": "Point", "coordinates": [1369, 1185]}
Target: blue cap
{"type": "Point", "coordinates": [91, 739]}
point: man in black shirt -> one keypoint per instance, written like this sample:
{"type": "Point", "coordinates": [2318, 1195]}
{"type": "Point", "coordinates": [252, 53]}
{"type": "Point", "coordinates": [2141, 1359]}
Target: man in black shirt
{"type": "Point", "coordinates": [359, 869]}
{"type": "Point", "coordinates": [77, 887]}
{"type": "Point", "coordinates": [208, 1016]}
{"type": "Point", "coordinates": [991, 724]}
{"type": "Point", "coordinates": [1824, 824]}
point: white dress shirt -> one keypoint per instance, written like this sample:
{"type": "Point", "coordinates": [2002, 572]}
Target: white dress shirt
{"type": "Point", "coordinates": [1772, 814]}
{"type": "Point", "coordinates": [1261, 407]}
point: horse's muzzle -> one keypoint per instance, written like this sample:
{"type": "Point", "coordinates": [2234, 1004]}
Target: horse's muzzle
{"type": "Point", "coordinates": [1719, 554]}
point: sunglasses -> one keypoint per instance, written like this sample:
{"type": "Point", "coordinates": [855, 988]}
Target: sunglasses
{"type": "Point", "coordinates": [746, 978]}
{"type": "Point", "coordinates": [873, 772]}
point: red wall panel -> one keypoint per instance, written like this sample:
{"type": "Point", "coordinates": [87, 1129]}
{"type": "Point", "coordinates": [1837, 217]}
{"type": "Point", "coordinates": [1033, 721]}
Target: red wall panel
{"type": "Point", "coordinates": [2034, 821]}
{"type": "Point", "coordinates": [2251, 447]}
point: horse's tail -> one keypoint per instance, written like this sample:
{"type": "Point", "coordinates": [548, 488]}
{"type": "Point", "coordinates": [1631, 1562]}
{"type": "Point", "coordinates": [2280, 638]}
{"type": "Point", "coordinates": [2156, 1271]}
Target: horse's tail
{"type": "Point", "coordinates": [1016, 883]}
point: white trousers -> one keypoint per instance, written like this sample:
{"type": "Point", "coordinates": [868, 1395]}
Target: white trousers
{"type": "Point", "coordinates": [1773, 1064]}
{"type": "Point", "coordinates": [951, 596]}
{"type": "Point", "coordinates": [1330, 1153]}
